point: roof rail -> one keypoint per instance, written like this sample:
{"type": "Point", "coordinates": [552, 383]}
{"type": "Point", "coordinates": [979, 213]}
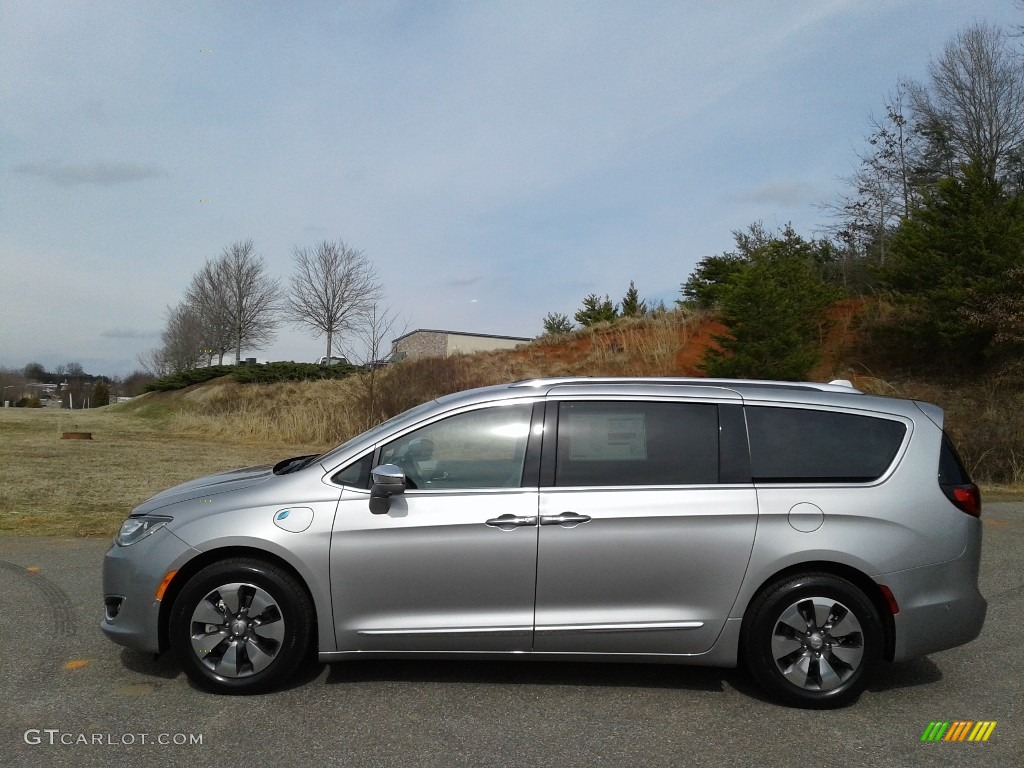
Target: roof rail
{"type": "Point", "coordinates": [837, 385]}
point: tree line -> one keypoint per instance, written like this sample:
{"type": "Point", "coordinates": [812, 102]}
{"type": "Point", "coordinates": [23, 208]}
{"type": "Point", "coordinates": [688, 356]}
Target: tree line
{"type": "Point", "coordinates": [233, 305]}
{"type": "Point", "coordinates": [596, 309]}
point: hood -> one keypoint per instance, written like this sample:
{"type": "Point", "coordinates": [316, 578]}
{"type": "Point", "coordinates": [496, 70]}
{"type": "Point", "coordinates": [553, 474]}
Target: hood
{"type": "Point", "coordinates": [211, 485]}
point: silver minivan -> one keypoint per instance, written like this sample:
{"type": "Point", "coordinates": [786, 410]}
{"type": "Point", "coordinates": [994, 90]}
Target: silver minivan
{"type": "Point", "coordinates": [808, 530]}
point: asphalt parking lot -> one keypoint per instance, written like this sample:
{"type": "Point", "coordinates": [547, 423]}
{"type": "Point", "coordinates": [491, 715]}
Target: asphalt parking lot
{"type": "Point", "coordinates": [72, 698]}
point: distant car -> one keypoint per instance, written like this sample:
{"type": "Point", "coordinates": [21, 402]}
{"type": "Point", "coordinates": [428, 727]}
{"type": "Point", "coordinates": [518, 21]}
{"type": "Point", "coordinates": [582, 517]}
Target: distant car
{"type": "Point", "coordinates": [333, 360]}
{"type": "Point", "coordinates": [807, 530]}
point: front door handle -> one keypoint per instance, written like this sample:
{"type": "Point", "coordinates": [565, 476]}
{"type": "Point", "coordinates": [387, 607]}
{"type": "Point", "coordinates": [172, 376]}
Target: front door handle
{"type": "Point", "coordinates": [509, 522]}
{"type": "Point", "coordinates": [566, 519]}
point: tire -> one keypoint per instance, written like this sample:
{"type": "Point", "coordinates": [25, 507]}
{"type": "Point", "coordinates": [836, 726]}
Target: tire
{"type": "Point", "coordinates": [241, 626]}
{"type": "Point", "coordinates": [812, 640]}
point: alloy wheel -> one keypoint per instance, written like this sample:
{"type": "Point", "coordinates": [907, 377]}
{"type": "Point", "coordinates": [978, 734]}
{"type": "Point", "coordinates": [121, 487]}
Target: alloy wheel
{"type": "Point", "coordinates": [237, 630]}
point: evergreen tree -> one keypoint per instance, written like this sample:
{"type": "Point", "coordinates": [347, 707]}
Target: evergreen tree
{"type": "Point", "coordinates": [774, 305]}
{"type": "Point", "coordinates": [950, 258]}
{"type": "Point", "coordinates": [101, 395]}
{"type": "Point", "coordinates": [555, 323]}
{"type": "Point", "coordinates": [632, 306]}
{"type": "Point", "coordinates": [703, 289]}
{"type": "Point", "coordinates": [596, 310]}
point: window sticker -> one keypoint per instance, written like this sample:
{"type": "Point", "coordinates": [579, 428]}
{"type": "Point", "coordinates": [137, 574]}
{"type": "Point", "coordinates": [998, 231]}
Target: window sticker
{"type": "Point", "coordinates": [608, 437]}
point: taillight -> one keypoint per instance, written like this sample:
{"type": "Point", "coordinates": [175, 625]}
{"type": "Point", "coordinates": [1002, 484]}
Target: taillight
{"type": "Point", "coordinates": [967, 497]}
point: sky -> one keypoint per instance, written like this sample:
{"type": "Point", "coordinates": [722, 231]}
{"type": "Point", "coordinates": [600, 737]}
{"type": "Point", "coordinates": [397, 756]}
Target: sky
{"type": "Point", "coordinates": [495, 161]}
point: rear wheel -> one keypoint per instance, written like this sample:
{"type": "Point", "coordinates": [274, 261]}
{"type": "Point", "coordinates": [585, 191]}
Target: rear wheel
{"type": "Point", "coordinates": [241, 626]}
{"type": "Point", "coordinates": [812, 640]}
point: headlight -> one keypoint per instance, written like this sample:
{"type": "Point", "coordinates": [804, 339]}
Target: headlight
{"type": "Point", "coordinates": [137, 528]}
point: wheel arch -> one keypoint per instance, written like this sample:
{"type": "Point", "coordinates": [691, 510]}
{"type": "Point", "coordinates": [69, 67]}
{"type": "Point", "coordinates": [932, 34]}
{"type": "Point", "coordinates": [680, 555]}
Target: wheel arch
{"type": "Point", "coordinates": [197, 563]}
{"type": "Point", "coordinates": [858, 578]}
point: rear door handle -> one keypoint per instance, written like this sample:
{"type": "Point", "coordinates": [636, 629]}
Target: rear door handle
{"type": "Point", "coordinates": [510, 521]}
{"type": "Point", "coordinates": [566, 519]}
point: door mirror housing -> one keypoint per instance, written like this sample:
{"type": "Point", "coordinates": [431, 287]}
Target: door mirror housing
{"type": "Point", "coordinates": [387, 481]}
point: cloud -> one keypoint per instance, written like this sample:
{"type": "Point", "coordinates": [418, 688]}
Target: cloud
{"type": "Point", "coordinates": [780, 192]}
{"type": "Point", "coordinates": [465, 282]}
{"type": "Point", "coordinates": [102, 173]}
{"type": "Point", "coordinates": [127, 333]}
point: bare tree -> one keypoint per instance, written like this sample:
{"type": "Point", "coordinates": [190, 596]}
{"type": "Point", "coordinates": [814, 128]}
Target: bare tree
{"type": "Point", "coordinates": [972, 108]}
{"type": "Point", "coordinates": [209, 296]}
{"type": "Point", "coordinates": [253, 298]}
{"type": "Point", "coordinates": [1003, 312]}
{"type": "Point", "coordinates": [154, 362]}
{"type": "Point", "coordinates": [883, 188]}
{"type": "Point", "coordinates": [373, 334]}
{"type": "Point", "coordinates": [183, 338]}
{"type": "Point", "coordinates": [333, 290]}
{"type": "Point", "coordinates": [134, 383]}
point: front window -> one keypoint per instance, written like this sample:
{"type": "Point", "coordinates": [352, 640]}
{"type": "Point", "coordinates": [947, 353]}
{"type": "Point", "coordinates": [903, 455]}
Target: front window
{"type": "Point", "coordinates": [485, 448]}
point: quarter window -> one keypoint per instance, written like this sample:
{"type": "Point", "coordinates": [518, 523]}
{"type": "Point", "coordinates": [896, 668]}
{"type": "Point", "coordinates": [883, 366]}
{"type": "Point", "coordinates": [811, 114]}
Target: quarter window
{"type": "Point", "coordinates": [951, 468]}
{"type": "Point", "coordinates": [485, 448]}
{"type": "Point", "coordinates": [356, 474]}
{"type": "Point", "coordinates": [801, 445]}
{"type": "Point", "coordinates": [603, 444]}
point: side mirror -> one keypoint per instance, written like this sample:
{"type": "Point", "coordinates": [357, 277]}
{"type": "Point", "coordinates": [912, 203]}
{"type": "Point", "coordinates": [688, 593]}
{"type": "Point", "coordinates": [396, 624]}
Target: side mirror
{"type": "Point", "coordinates": [387, 481]}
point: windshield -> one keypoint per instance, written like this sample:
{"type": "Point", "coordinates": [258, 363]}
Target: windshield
{"type": "Point", "coordinates": [330, 458]}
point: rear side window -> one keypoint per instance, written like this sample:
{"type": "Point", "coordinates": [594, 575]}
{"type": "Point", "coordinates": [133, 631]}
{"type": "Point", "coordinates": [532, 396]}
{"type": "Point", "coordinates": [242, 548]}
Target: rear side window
{"type": "Point", "coordinates": [602, 444]}
{"type": "Point", "coordinates": [799, 445]}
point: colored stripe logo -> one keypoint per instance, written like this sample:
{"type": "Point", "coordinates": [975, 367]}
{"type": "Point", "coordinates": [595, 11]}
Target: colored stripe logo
{"type": "Point", "coordinates": [958, 730]}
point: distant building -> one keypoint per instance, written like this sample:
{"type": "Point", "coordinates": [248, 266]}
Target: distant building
{"type": "Point", "coordinates": [425, 342]}
{"type": "Point", "coordinates": [43, 391]}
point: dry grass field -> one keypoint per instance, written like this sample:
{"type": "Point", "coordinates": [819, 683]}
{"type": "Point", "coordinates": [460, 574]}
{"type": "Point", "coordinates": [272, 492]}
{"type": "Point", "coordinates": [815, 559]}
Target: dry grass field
{"type": "Point", "coordinates": [55, 487]}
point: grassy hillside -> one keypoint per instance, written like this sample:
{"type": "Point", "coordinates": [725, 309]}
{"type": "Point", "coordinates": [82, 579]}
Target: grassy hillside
{"type": "Point", "coordinates": [985, 417]}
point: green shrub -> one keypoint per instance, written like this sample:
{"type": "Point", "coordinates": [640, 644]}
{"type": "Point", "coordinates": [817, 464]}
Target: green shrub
{"type": "Point", "coordinates": [188, 378]}
{"type": "Point", "coordinates": [263, 374]}
{"type": "Point", "coordinates": [251, 374]}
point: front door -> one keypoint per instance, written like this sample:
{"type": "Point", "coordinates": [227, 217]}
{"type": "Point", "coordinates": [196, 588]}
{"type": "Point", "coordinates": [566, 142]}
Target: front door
{"type": "Point", "coordinates": [452, 565]}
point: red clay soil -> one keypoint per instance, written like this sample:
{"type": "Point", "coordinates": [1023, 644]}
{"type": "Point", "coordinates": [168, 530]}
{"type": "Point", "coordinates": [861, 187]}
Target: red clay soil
{"type": "Point", "coordinates": [620, 349]}
{"type": "Point", "coordinates": [623, 351]}
{"type": "Point", "coordinates": [841, 337]}
{"type": "Point", "coordinates": [692, 352]}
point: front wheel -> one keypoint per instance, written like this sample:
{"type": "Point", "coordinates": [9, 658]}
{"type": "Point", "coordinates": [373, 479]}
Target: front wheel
{"type": "Point", "coordinates": [241, 626]}
{"type": "Point", "coordinates": [812, 640]}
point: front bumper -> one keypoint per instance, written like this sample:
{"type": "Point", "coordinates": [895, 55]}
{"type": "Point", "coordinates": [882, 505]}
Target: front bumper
{"type": "Point", "coordinates": [131, 576]}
